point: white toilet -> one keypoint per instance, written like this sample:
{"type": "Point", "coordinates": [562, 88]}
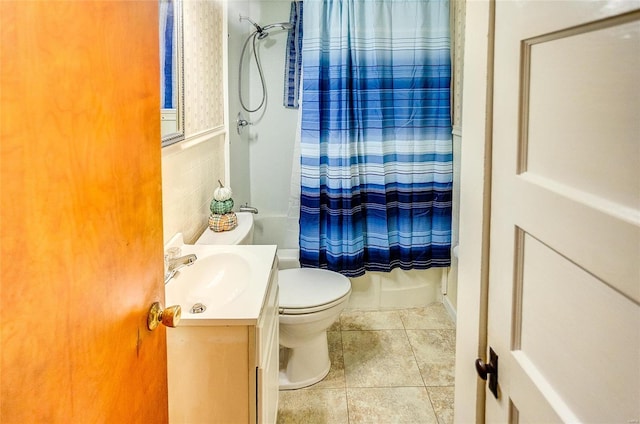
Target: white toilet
{"type": "Point", "coordinates": [310, 301]}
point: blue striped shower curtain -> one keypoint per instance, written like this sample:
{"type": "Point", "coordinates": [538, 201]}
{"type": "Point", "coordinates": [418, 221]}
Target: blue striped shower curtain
{"type": "Point", "coordinates": [376, 146]}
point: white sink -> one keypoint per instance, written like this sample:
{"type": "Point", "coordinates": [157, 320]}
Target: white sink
{"type": "Point", "coordinates": [229, 281]}
{"type": "Point", "coordinates": [212, 281]}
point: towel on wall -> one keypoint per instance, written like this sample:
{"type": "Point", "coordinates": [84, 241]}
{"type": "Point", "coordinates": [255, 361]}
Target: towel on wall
{"type": "Point", "coordinates": [293, 59]}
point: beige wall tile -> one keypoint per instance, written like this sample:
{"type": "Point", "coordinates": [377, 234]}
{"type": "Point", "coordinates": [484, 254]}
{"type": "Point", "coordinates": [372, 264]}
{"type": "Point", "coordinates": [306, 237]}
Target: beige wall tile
{"type": "Point", "coordinates": [189, 177]}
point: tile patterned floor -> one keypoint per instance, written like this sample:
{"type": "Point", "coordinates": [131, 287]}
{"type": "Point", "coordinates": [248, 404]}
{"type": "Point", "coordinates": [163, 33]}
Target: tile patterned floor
{"type": "Point", "coordinates": [386, 367]}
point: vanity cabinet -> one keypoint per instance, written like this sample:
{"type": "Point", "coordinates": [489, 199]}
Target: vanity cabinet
{"type": "Point", "coordinates": [227, 370]}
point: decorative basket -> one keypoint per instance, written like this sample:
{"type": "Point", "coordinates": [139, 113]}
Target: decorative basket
{"type": "Point", "coordinates": [223, 222]}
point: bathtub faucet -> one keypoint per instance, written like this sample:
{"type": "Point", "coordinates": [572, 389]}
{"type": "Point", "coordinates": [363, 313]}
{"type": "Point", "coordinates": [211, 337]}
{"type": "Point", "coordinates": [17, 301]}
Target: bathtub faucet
{"type": "Point", "coordinates": [247, 208]}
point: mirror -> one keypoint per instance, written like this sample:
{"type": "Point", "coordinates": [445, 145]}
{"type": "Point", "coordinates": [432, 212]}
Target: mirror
{"type": "Point", "coordinates": [171, 72]}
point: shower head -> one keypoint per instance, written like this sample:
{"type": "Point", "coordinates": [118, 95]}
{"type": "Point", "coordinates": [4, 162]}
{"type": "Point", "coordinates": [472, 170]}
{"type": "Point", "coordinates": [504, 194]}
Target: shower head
{"type": "Point", "coordinates": [262, 34]}
{"type": "Point", "coordinates": [286, 26]}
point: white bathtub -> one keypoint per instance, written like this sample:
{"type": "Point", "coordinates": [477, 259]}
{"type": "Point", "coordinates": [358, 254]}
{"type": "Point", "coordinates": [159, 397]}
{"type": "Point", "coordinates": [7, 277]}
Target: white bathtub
{"type": "Point", "coordinates": [372, 291]}
{"type": "Point", "coordinates": [274, 230]}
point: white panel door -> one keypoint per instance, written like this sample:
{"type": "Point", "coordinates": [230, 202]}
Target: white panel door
{"type": "Point", "coordinates": [564, 286]}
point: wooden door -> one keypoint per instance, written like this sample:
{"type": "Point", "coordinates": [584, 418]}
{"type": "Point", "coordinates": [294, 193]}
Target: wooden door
{"type": "Point", "coordinates": [81, 254]}
{"type": "Point", "coordinates": [564, 286]}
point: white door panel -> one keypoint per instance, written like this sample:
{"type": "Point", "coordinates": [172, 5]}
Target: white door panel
{"type": "Point", "coordinates": [564, 283]}
{"type": "Point", "coordinates": [566, 73]}
{"type": "Point", "coordinates": [567, 225]}
{"type": "Point", "coordinates": [576, 332]}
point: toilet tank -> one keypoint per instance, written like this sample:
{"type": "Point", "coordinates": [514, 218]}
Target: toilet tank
{"type": "Point", "coordinates": [242, 234]}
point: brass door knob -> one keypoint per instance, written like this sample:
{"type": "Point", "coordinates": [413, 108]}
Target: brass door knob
{"type": "Point", "coordinates": [169, 316]}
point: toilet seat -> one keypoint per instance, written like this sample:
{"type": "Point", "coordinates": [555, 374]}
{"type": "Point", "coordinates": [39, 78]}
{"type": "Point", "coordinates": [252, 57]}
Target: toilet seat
{"type": "Point", "coordinates": [309, 290]}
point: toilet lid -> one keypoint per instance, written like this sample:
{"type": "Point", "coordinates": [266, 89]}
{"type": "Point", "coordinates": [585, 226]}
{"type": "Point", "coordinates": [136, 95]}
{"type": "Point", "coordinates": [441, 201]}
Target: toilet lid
{"type": "Point", "coordinates": [304, 288]}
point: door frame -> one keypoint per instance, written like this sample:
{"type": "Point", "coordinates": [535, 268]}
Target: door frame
{"type": "Point", "coordinates": [475, 210]}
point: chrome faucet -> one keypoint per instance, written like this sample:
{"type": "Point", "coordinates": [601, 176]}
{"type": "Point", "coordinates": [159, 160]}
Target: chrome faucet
{"type": "Point", "coordinates": [174, 265]}
{"type": "Point", "coordinates": [247, 208]}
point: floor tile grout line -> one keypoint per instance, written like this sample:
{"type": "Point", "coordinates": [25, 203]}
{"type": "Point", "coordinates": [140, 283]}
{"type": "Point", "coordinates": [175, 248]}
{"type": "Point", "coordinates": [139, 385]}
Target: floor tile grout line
{"type": "Point", "coordinates": [345, 389]}
{"type": "Point", "coordinates": [413, 352]}
{"type": "Point", "coordinates": [344, 365]}
{"type": "Point", "coordinates": [391, 387]}
{"type": "Point", "coordinates": [406, 336]}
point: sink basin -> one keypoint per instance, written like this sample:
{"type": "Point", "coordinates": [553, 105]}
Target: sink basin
{"type": "Point", "coordinates": [213, 281]}
{"type": "Point", "coordinates": [229, 280]}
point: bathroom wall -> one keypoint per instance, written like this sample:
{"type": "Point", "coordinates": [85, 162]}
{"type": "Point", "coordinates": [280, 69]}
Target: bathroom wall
{"type": "Point", "coordinates": [261, 157]}
{"type": "Point", "coordinates": [239, 159]}
{"type": "Point", "coordinates": [458, 12]}
{"type": "Point", "coordinates": [191, 169]}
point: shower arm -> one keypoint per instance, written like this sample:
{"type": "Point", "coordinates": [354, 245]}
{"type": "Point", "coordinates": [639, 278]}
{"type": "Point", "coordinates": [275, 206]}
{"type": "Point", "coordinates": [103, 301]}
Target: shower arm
{"type": "Point", "coordinates": [246, 18]}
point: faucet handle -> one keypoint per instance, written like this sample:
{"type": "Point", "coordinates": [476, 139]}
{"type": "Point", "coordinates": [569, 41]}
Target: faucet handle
{"type": "Point", "coordinates": [241, 123]}
{"type": "Point", "coordinates": [171, 253]}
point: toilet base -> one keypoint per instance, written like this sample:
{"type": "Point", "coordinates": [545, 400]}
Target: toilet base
{"type": "Point", "coordinates": [305, 365]}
